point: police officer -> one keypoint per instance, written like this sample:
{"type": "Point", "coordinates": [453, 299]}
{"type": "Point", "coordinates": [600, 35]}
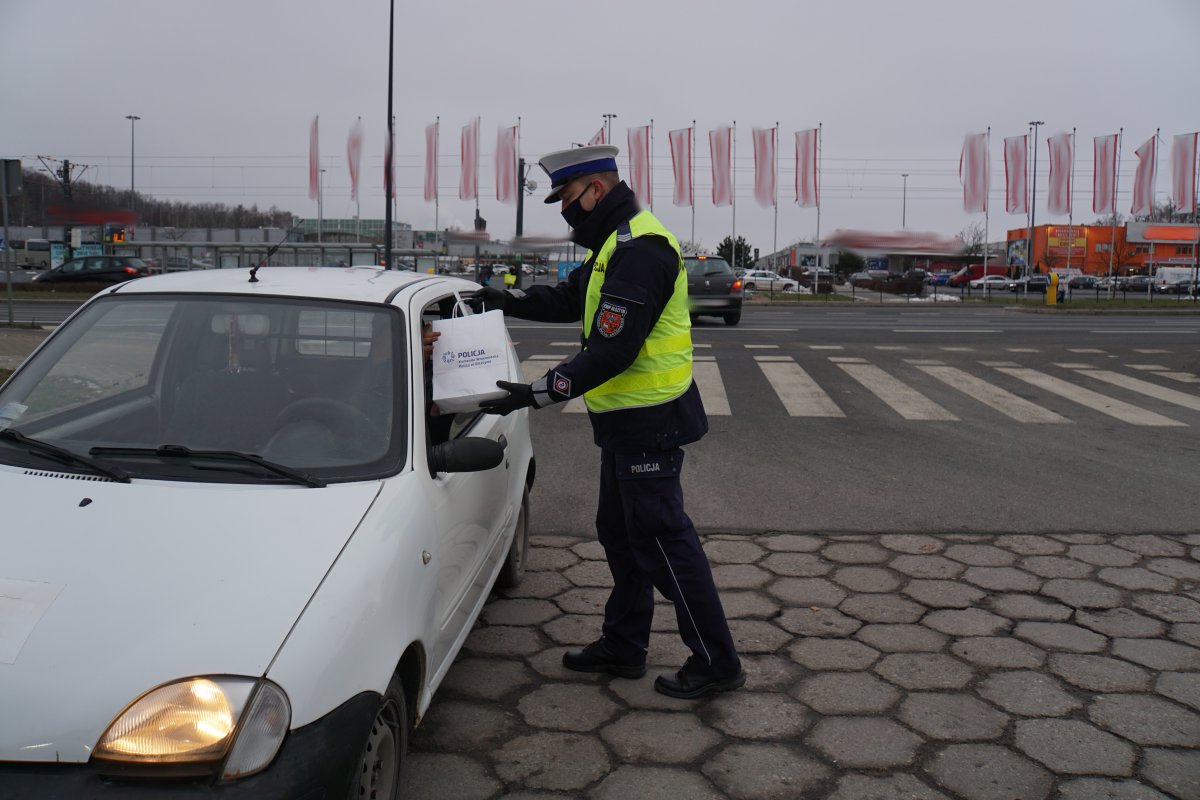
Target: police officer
{"type": "Point", "coordinates": [634, 372]}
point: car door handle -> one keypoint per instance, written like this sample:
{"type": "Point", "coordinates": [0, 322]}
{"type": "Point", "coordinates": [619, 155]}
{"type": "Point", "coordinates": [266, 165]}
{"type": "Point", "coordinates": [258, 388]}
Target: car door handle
{"type": "Point", "coordinates": [503, 442]}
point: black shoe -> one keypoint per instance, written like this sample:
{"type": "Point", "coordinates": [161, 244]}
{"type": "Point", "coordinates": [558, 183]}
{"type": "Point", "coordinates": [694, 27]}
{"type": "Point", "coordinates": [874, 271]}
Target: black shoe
{"type": "Point", "coordinates": [697, 680]}
{"type": "Point", "coordinates": [596, 658]}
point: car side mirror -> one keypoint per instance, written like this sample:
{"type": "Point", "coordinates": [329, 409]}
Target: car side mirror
{"type": "Point", "coordinates": [468, 454]}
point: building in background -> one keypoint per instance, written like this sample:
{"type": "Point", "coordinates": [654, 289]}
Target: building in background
{"type": "Point", "coordinates": [1137, 248]}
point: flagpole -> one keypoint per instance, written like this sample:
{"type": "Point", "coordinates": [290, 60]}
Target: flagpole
{"type": "Point", "coordinates": [437, 147]}
{"type": "Point", "coordinates": [390, 146]}
{"type": "Point", "coordinates": [987, 203]}
{"type": "Point", "coordinates": [733, 191]}
{"type": "Point", "coordinates": [775, 181]}
{"type": "Point", "coordinates": [1112, 240]}
{"type": "Point", "coordinates": [358, 202]}
{"type": "Point", "coordinates": [692, 178]}
{"type": "Point", "coordinates": [818, 178]}
{"type": "Point", "coordinates": [650, 166]}
{"type": "Point", "coordinates": [1071, 207]}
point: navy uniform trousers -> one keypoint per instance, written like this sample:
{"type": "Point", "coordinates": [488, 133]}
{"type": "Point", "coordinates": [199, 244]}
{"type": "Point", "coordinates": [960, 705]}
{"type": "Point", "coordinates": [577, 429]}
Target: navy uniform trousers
{"type": "Point", "coordinates": [651, 544]}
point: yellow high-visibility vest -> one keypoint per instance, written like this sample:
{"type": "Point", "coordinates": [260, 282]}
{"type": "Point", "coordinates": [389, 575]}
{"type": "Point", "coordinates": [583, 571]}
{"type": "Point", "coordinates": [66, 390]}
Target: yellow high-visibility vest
{"type": "Point", "coordinates": [662, 370]}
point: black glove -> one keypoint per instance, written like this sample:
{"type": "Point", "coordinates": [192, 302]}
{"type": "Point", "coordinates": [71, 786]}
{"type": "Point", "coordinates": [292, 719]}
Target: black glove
{"type": "Point", "coordinates": [520, 395]}
{"type": "Point", "coordinates": [488, 297]}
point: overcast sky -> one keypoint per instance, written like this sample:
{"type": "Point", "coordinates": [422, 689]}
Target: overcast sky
{"type": "Point", "coordinates": [226, 92]}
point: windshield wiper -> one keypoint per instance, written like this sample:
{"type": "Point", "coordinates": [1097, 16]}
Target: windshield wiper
{"type": "Point", "coordinates": [62, 454]}
{"type": "Point", "coordinates": [179, 451]}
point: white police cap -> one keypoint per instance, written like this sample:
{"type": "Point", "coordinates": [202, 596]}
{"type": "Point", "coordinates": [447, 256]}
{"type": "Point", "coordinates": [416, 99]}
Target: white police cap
{"type": "Point", "coordinates": [564, 165]}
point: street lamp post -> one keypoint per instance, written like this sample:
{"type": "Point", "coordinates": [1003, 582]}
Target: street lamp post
{"type": "Point", "coordinates": [904, 203]}
{"type": "Point", "coordinates": [608, 118]}
{"type": "Point", "coordinates": [1035, 124]}
{"type": "Point", "coordinates": [132, 120]}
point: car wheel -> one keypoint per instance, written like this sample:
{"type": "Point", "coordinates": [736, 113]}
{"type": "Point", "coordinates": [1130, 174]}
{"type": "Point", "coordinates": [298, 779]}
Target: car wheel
{"type": "Point", "coordinates": [749, 287]}
{"type": "Point", "coordinates": [514, 563]}
{"type": "Point", "coordinates": [378, 771]}
{"type": "Point", "coordinates": [733, 318]}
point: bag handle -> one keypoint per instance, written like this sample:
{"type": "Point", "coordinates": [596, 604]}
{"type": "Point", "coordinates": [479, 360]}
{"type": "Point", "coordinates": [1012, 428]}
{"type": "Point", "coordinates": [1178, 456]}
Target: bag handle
{"type": "Point", "coordinates": [460, 305]}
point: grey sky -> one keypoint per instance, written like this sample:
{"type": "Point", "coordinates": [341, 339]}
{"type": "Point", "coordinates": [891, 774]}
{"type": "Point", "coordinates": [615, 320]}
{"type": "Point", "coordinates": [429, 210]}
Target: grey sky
{"type": "Point", "coordinates": [226, 91]}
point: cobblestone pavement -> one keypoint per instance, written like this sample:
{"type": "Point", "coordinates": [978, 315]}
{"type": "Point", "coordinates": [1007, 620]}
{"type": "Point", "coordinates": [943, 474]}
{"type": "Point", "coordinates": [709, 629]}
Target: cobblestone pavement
{"type": "Point", "coordinates": [1008, 667]}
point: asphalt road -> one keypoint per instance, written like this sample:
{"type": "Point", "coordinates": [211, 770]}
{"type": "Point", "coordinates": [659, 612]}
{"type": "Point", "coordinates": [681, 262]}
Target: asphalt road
{"type": "Point", "coordinates": [929, 419]}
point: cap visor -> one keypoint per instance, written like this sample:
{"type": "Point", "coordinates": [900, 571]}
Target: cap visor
{"type": "Point", "coordinates": [555, 194]}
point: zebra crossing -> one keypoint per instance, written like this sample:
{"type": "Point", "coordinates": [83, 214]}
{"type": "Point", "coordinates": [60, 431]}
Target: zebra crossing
{"type": "Point", "coordinates": [805, 385]}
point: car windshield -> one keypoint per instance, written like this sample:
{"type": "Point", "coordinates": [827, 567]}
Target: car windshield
{"type": "Point", "coordinates": [308, 385]}
{"type": "Point", "coordinates": [706, 267]}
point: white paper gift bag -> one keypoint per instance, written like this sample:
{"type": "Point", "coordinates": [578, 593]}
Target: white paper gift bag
{"type": "Point", "coordinates": [468, 358]}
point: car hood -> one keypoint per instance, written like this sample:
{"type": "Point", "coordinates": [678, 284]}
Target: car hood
{"type": "Point", "coordinates": [108, 590]}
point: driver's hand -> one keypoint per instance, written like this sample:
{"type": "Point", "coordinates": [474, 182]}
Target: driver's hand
{"type": "Point", "coordinates": [428, 337]}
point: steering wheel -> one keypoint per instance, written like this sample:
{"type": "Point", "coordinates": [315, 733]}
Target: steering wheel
{"type": "Point", "coordinates": [351, 428]}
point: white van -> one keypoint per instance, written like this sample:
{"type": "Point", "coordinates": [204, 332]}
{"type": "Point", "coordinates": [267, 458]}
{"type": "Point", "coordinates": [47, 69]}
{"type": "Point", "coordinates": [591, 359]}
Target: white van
{"type": "Point", "coordinates": [34, 254]}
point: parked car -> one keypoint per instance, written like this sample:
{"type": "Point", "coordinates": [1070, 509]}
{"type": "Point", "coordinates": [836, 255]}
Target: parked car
{"type": "Point", "coordinates": [249, 552]}
{"type": "Point", "coordinates": [938, 278]}
{"type": "Point", "coordinates": [825, 280]}
{"type": "Point", "coordinates": [1082, 282]}
{"type": "Point", "coordinates": [989, 282]}
{"type": "Point", "coordinates": [1030, 284]}
{"type": "Point", "coordinates": [767, 281]}
{"type": "Point", "coordinates": [1137, 283]}
{"type": "Point", "coordinates": [911, 282]}
{"type": "Point", "coordinates": [95, 269]}
{"type": "Point", "coordinates": [713, 288]}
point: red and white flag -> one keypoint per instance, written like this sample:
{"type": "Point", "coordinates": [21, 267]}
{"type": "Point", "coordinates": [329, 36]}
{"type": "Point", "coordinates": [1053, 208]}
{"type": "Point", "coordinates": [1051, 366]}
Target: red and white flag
{"type": "Point", "coordinates": [506, 165]}
{"type": "Point", "coordinates": [314, 160]}
{"type": "Point", "coordinates": [1183, 172]}
{"type": "Point", "coordinates": [1144, 178]}
{"type": "Point", "coordinates": [1016, 181]}
{"type": "Point", "coordinates": [681, 165]}
{"type": "Point", "coordinates": [1062, 156]}
{"type": "Point", "coordinates": [599, 138]}
{"type": "Point", "coordinates": [764, 166]}
{"type": "Point", "coordinates": [639, 162]}
{"type": "Point", "coordinates": [468, 182]}
{"type": "Point", "coordinates": [354, 156]}
{"type": "Point", "coordinates": [720, 144]}
{"type": "Point", "coordinates": [974, 171]}
{"type": "Point", "coordinates": [807, 191]}
{"type": "Point", "coordinates": [1104, 175]}
{"type": "Point", "coordinates": [431, 161]}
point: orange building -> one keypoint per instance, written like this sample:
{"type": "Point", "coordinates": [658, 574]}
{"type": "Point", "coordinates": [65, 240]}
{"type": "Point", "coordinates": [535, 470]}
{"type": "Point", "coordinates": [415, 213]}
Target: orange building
{"type": "Point", "coordinates": [1136, 247]}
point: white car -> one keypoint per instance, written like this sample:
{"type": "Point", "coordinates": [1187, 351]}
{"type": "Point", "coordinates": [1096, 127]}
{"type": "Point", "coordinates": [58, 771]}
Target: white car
{"type": "Point", "coordinates": [764, 280]}
{"type": "Point", "coordinates": [238, 554]}
{"type": "Point", "coordinates": [990, 282]}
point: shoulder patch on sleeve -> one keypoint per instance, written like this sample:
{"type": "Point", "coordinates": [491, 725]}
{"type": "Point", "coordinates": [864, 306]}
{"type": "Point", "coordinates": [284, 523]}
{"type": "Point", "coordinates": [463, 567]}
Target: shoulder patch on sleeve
{"type": "Point", "coordinates": [610, 319]}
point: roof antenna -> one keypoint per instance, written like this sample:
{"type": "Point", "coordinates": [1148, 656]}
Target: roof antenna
{"type": "Point", "coordinates": [267, 257]}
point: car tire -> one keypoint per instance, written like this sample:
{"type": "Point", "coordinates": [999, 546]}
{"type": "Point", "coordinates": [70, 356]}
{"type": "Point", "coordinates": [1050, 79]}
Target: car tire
{"type": "Point", "coordinates": [513, 569]}
{"type": "Point", "coordinates": [733, 318]}
{"type": "Point", "coordinates": [749, 287]}
{"type": "Point", "coordinates": [378, 772]}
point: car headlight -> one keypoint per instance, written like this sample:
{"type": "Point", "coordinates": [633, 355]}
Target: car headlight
{"type": "Point", "coordinates": [238, 721]}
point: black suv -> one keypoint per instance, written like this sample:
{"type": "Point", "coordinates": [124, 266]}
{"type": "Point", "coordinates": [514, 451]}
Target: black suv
{"type": "Point", "coordinates": [713, 289]}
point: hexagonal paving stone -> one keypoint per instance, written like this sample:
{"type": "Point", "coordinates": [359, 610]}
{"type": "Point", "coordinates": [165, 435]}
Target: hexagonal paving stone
{"type": "Point", "coordinates": [468, 727]}
{"type": "Point", "coordinates": [901, 638]}
{"type": "Point", "coordinates": [567, 707]}
{"type": "Point", "coordinates": [1074, 747]}
{"type": "Point", "coordinates": [846, 693]}
{"type": "Point", "coordinates": [815, 621]}
{"type": "Point", "coordinates": [1182, 687]}
{"type": "Point", "coordinates": [1146, 719]}
{"type": "Point", "coordinates": [1102, 555]}
{"type": "Point", "coordinates": [1186, 632]}
{"type": "Point", "coordinates": [842, 740]}
{"type": "Point", "coordinates": [791, 543]}
{"type": "Point", "coordinates": [1136, 579]}
{"type": "Point", "coordinates": [444, 776]}
{"type": "Point", "coordinates": [589, 573]}
{"type": "Point", "coordinates": [867, 579]}
{"type": "Point", "coordinates": [1157, 654]}
{"type": "Point", "coordinates": [927, 566]}
{"type": "Point", "coordinates": [925, 671]}
{"type": "Point", "coordinates": [544, 540]}
{"type": "Point", "coordinates": [748, 604]}
{"type": "Point", "coordinates": [851, 553]}
{"type": "Point", "coordinates": [557, 761]}
{"type": "Point", "coordinates": [990, 772]}
{"type": "Point", "coordinates": [757, 636]}
{"type": "Point", "coordinates": [550, 559]}
{"type": "Point", "coordinates": [834, 654]}
{"type": "Point", "coordinates": [770, 673]}
{"type": "Point", "coordinates": [1121, 622]}
{"type": "Point", "coordinates": [763, 772]}
{"type": "Point", "coordinates": [1169, 607]}
{"type": "Point", "coordinates": [882, 608]}
{"type": "Point", "coordinates": [796, 565]}
{"type": "Point", "coordinates": [1061, 636]}
{"type": "Point", "coordinates": [576, 629]}
{"type": "Point", "coordinates": [980, 555]}
{"type": "Point", "coordinates": [740, 576]}
{"type": "Point", "coordinates": [503, 640]}
{"type": "Point", "coordinates": [1024, 606]}
{"type": "Point", "coordinates": [659, 737]}
{"type": "Point", "coordinates": [1174, 771]}
{"type": "Point", "coordinates": [1099, 673]}
{"type": "Point", "coordinates": [759, 715]}
{"type": "Point", "coordinates": [966, 622]}
{"type": "Point", "coordinates": [894, 787]}
{"type": "Point", "coordinates": [519, 612]}
{"type": "Point", "coordinates": [1081, 593]}
{"type": "Point", "coordinates": [1031, 545]}
{"type": "Point", "coordinates": [943, 594]}
{"type": "Point", "coordinates": [1056, 567]}
{"type": "Point", "coordinates": [998, 651]}
{"type": "Point", "coordinates": [1180, 568]}
{"type": "Point", "coordinates": [637, 781]}
{"type": "Point", "coordinates": [807, 592]}
{"type": "Point", "coordinates": [583, 600]}
{"type": "Point", "coordinates": [1030, 694]}
{"type": "Point", "coordinates": [740, 552]}
{"type": "Point", "coordinates": [911, 543]}
{"type": "Point", "coordinates": [640, 695]}
{"type": "Point", "coordinates": [537, 585]}
{"type": "Point", "coordinates": [486, 678]}
{"type": "Point", "coordinates": [955, 717]}
{"type": "Point", "coordinates": [1107, 789]}
{"type": "Point", "coordinates": [589, 551]}
{"type": "Point", "coordinates": [1080, 538]}
{"type": "Point", "coordinates": [1148, 545]}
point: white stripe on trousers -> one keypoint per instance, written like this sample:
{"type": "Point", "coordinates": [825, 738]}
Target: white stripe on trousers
{"type": "Point", "coordinates": [683, 599]}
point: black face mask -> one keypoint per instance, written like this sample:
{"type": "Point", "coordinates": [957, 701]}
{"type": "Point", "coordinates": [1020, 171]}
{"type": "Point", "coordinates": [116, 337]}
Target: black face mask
{"type": "Point", "coordinates": [575, 214]}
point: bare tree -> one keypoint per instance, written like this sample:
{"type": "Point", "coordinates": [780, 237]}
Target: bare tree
{"type": "Point", "coordinates": [973, 238]}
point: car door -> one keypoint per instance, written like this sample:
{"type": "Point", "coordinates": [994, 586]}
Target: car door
{"type": "Point", "coordinates": [473, 510]}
